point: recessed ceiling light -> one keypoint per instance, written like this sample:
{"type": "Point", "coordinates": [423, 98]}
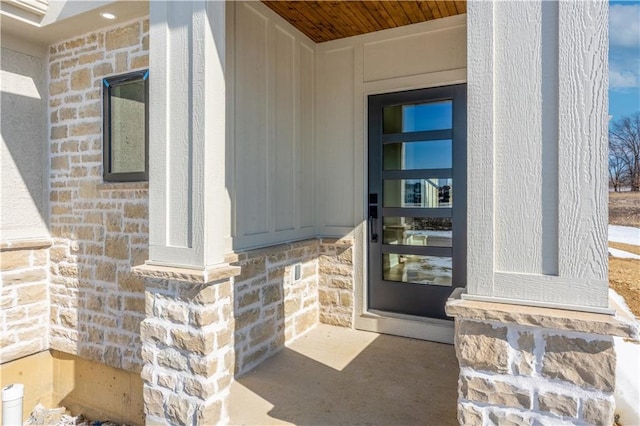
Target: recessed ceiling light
{"type": "Point", "coordinates": [107, 15]}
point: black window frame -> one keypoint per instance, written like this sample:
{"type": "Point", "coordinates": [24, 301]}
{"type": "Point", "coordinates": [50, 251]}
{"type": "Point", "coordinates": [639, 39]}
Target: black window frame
{"type": "Point", "coordinates": [107, 85]}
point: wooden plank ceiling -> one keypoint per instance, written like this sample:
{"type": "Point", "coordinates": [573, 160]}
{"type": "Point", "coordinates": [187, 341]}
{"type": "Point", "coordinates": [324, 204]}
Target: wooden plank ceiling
{"type": "Point", "coordinates": [330, 20]}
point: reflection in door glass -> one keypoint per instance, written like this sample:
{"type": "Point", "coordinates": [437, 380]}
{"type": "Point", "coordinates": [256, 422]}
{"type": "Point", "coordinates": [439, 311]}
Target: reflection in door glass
{"type": "Point", "coordinates": [416, 269]}
{"type": "Point", "coordinates": [424, 193]}
{"type": "Point", "coordinates": [417, 231]}
{"type": "Point", "coordinates": [418, 155]}
{"type": "Point", "coordinates": [417, 117]}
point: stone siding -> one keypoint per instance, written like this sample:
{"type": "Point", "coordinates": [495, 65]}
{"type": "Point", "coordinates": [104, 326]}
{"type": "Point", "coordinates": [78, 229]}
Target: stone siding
{"type": "Point", "coordinates": [99, 230]}
{"type": "Point", "coordinates": [335, 281]}
{"type": "Point", "coordinates": [519, 368]}
{"type": "Point", "coordinates": [188, 351]}
{"type": "Point", "coordinates": [24, 314]}
{"type": "Point", "coordinates": [197, 337]}
{"type": "Point", "coordinates": [272, 309]}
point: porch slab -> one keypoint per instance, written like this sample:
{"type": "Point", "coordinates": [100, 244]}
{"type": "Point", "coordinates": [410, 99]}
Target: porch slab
{"type": "Point", "coordinates": [340, 376]}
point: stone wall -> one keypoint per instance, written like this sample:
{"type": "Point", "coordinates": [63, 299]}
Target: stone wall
{"type": "Point", "coordinates": [335, 281]}
{"type": "Point", "coordinates": [271, 308]}
{"type": "Point", "coordinates": [524, 365]}
{"type": "Point", "coordinates": [188, 351]}
{"type": "Point", "coordinates": [99, 230]}
{"type": "Point", "coordinates": [24, 308]}
{"type": "Point", "coordinates": [198, 336]}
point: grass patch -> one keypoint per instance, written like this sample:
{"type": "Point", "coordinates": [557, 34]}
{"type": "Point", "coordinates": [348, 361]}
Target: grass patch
{"type": "Point", "coordinates": [624, 278]}
{"type": "Point", "coordinates": [624, 208]}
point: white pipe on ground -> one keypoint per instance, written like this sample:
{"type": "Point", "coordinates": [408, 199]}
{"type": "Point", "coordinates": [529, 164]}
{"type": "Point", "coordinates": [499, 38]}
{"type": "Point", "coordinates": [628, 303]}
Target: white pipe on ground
{"type": "Point", "coordinates": [12, 404]}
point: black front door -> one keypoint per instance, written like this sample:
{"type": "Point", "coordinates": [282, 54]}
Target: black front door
{"type": "Point", "coordinates": [417, 200]}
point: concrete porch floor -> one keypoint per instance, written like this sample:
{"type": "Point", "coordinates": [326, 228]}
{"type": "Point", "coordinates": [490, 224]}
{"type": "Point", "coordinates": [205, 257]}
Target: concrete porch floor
{"type": "Point", "coordinates": [338, 376]}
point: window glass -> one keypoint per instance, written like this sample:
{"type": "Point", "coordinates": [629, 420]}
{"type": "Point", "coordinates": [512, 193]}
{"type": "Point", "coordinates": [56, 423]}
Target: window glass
{"type": "Point", "coordinates": [424, 193]}
{"type": "Point", "coordinates": [418, 155]}
{"type": "Point", "coordinates": [417, 117]}
{"type": "Point", "coordinates": [408, 268]}
{"type": "Point", "coordinates": [127, 128]}
{"type": "Point", "coordinates": [417, 231]}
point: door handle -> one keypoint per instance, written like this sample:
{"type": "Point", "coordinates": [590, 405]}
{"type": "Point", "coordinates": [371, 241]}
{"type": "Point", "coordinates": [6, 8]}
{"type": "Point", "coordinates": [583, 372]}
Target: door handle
{"type": "Point", "coordinates": [373, 217]}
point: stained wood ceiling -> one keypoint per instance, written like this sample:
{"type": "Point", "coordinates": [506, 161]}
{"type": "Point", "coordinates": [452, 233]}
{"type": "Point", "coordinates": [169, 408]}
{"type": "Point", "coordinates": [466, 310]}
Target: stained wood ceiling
{"type": "Point", "coordinates": [329, 20]}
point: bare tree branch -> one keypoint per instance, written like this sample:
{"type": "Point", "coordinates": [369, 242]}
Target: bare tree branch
{"type": "Point", "coordinates": [624, 152]}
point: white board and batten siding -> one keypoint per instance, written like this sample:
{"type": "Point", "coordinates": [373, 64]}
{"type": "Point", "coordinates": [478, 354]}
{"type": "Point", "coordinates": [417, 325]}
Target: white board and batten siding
{"type": "Point", "coordinates": [430, 54]}
{"type": "Point", "coordinates": [536, 138]}
{"type": "Point", "coordinates": [273, 131]}
{"type": "Point", "coordinates": [537, 153]}
{"type": "Point", "coordinates": [423, 55]}
{"type": "Point", "coordinates": [300, 117]}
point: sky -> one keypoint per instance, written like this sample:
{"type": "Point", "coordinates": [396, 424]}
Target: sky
{"type": "Point", "coordinates": [624, 58]}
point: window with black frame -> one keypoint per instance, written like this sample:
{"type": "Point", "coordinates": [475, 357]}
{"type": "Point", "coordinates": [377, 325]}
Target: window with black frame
{"type": "Point", "coordinates": [126, 127]}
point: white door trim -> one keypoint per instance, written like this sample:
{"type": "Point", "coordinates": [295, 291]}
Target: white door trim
{"type": "Point", "coordinates": [436, 330]}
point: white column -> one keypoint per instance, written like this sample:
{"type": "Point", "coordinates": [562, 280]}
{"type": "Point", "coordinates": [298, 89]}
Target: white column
{"type": "Point", "coordinates": [189, 212]}
{"type": "Point", "coordinates": [537, 153]}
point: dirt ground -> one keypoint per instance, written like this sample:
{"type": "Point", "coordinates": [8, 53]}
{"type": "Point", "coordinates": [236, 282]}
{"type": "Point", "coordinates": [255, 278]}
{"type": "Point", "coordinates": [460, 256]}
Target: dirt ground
{"type": "Point", "coordinates": [624, 274]}
{"type": "Point", "coordinates": [624, 278]}
{"type": "Point", "coordinates": [624, 208]}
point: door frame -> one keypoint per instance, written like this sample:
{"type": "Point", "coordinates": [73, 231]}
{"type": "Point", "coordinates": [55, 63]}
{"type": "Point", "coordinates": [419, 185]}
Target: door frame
{"type": "Point", "coordinates": [429, 299]}
{"type": "Point", "coordinates": [431, 329]}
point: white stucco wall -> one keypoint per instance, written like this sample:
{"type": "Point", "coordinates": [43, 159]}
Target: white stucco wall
{"type": "Point", "coordinates": [23, 166]}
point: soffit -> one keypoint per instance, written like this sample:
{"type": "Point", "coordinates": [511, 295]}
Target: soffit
{"type": "Point", "coordinates": [330, 20]}
{"type": "Point", "coordinates": [71, 19]}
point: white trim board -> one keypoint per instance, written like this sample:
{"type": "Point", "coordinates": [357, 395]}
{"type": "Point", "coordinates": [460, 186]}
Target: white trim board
{"type": "Point", "coordinates": [441, 331]}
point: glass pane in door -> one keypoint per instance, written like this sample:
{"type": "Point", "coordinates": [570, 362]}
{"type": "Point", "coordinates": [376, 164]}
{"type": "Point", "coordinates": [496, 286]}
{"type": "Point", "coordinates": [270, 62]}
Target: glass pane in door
{"type": "Point", "coordinates": [424, 193]}
{"type": "Point", "coordinates": [418, 269]}
{"type": "Point", "coordinates": [417, 155]}
{"type": "Point", "coordinates": [417, 117]}
{"type": "Point", "coordinates": [417, 231]}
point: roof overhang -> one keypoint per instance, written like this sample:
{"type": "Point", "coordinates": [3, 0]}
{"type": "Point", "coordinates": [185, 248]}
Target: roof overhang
{"type": "Point", "coordinates": [41, 22]}
{"type": "Point", "coordinates": [330, 20]}
{"type": "Point", "coordinates": [28, 11]}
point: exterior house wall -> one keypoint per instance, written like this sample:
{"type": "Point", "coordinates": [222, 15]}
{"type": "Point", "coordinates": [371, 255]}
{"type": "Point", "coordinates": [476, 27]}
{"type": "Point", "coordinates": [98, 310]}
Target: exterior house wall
{"type": "Point", "coordinates": [348, 70]}
{"type": "Point", "coordinates": [23, 150]}
{"type": "Point", "coordinates": [336, 281]}
{"type": "Point", "coordinates": [274, 143]}
{"type": "Point", "coordinates": [24, 238]}
{"type": "Point", "coordinates": [311, 93]}
{"type": "Point", "coordinates": [271, 307]}
{"type": "Point", "coordinates": [298, 166]}
{"type": "Point", "coordinates": [187, 337]}
{"type": "Point", "coordinates": [537, 218]}
{"type": "Point", "coordinates": [198, 336]}
{"type": "Point", "coordinates": [537, 153]}
{"type": "Point", "coordinates": [423, 55]}
{"type": "Point", "coordinates": [272, 65]}
{"type": "Point", "coordinates": [529, 365]}
{"type": "Point", "coordinates": [99, 230]}
{"type": "Point", "coordinates": [55, 379]}
{"type": "Point", "coordinates": [24, 326]}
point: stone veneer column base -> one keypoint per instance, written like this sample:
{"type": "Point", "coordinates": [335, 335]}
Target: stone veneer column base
{"type": "Point", "coordinates": [525, 365]}
{"type": "Point", "coordinates": [187, 345]}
